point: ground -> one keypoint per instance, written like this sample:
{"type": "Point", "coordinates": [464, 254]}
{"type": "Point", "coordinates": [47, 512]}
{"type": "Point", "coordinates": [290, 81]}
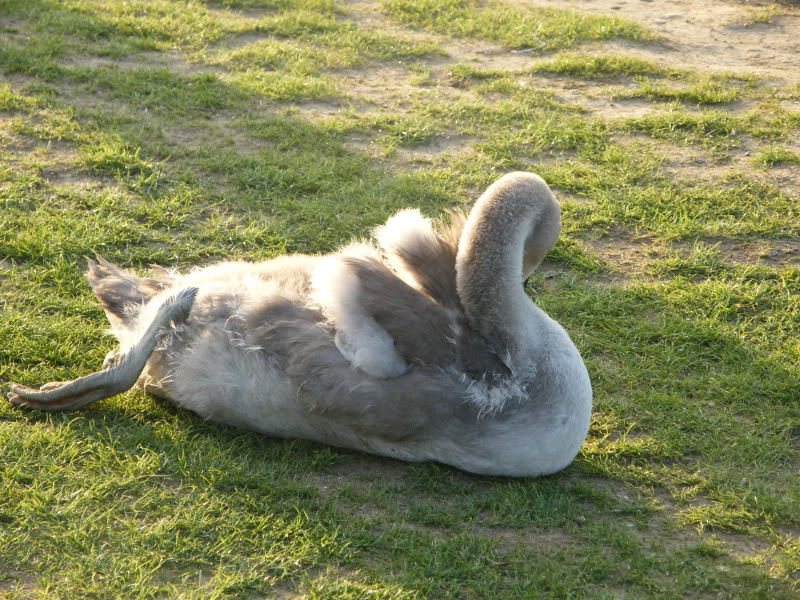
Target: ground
{"type": "Point", "coordinates": [180, 133]}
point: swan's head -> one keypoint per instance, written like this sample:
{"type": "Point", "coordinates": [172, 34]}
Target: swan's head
{"type": "Point", "coordinates": [542, 237]}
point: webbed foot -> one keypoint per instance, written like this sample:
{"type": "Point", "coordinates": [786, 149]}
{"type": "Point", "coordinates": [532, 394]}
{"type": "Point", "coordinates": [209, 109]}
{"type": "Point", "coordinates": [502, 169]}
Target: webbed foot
{"type": "Point", "coordinates": [120, 370]}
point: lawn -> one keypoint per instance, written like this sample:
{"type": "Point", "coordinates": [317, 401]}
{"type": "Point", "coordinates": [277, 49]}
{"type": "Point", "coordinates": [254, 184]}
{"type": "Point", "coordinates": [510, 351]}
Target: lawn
{"type": "Point", "coordinates": [185, 132]}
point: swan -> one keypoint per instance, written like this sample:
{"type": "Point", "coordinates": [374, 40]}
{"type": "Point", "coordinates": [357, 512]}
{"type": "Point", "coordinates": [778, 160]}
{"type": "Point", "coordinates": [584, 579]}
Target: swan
{"type": "Point", "coordinates": [421, 345]}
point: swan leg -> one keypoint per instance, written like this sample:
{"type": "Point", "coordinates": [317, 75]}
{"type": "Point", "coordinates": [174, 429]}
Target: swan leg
{"type": "Point", "coordinates": [120, 370]}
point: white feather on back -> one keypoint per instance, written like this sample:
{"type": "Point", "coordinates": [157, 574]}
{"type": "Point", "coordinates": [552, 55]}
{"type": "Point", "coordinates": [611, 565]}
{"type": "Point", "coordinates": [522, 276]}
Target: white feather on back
{"type": "Point", "coordinates": [335, 288]}
{"type": "Point", "coordinates": [403, 230]}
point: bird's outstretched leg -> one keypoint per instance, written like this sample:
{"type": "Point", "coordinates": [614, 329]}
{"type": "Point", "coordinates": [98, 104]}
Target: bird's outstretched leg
{"type": "Point", "coordinates": [120, 371]}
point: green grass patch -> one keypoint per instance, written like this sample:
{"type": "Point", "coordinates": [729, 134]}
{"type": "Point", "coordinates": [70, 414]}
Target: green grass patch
{"type": "Point", "coordinates": [716, 129]}
{"type": "Point", "coordinates": [126, 26]}
{"type": "Point", "coordinates": [328, 52]}
{"type": "Point", "coordinates": [774, 156]}
{"type": "Point", "coordinates": [703, 92]}
{"type": "Point", "coordinates": [772, 122]}
{"type": "Point", "coordinates": [669, 208]}
{"type": "Point", "coordinates": [759, 14]}
{"type": "Point", "coordinates": [539, 28]}
{"type": "Point", "coordinates": [790, 92]}
{"type": "Point", "coordinates": [589, 66]}
{"type": "Point", "coordinates": [708, 127]}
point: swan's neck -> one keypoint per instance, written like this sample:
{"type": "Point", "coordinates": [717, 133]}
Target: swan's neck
{"type": "Point", "coordinates": [507, 234]}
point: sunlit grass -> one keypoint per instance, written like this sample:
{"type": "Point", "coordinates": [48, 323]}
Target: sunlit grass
{"type": "Point", "coordinates": [602, 66]}
{"type": "Point", "coordinates": [705, 92]}
{"type": "Point", "coordinates": [771, 156]}
{"type": "Point", "coordinates": [181, 133]}
{"type": "Point", "coordinates": [539, 28]}
{"type": "Point", "coordinates": [758, 14]}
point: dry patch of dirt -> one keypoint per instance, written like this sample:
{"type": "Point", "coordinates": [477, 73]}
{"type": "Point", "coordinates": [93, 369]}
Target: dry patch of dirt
{"type": "Point", "coordinates": [71, 179]}
{"type": "Point", "coordinates": [509, 538]}
{"type": "Point", "coordinates": [318, 108]}
{"type": "Point", "coordinates": [236, 41]}
{"type": "Point", "coordinates": [744, 548]}
{"type": "Point", "coordinates": [383, 87]}
{"type": "Point", "coordinates": [786, 178]}
{"type": "Point", "coordinates": [629, 255]}
{"type": "Point", "coordinates": [778, 253]}
{"type": "Point", "coordinates": [687, 162]}
{"type": "Point", "coordinates": [18, 584]}
{"type": "Point", "coordinates": [173, 61]}
{"type": "Point", "coordinates": [693, 164]}
{"type": "Point", "coordinates": [216, 131]}
{"type": "Point", "coordinates": [60, 157]}
{"type": "Point", "coordinates": [491, 57]}
{"type": "Point", "coordinates": [599, 102]}
{"type": "Point", "coordinates": [363, 143]}
{"type": "Point", "coordinates": [626, 253]}
{"type": "Point", "coordinates": [704, 37]}
{"type": "Point", "coordinates": [696, 166]}
{"type": "Point", "coordinates": [367, 14]}
{"type": "Point", "coordinates": [439, 146]}
{"type": "Point", "coordinates": [249, 13]}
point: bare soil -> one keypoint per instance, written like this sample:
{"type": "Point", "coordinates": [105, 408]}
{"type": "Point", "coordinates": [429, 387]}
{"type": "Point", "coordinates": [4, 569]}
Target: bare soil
{"type": "Point", "coordinates": [709, 35]}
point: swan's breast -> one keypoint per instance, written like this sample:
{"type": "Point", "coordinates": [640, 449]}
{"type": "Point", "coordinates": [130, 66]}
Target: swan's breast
{"type": "Point", "coordinates": [532, 428]}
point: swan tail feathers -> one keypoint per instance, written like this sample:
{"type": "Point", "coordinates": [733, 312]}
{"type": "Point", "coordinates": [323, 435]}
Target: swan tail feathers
{"type": "Point", "coordinates": [120, 292]}
{"type": "Point", "coordinates": [422, 257]}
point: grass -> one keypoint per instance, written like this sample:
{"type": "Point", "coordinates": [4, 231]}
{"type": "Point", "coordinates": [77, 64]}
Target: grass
{"type": "Point", "coordinates": [705, 92]}
{"type": "Point", "coordinates": [759, 14]}
{"type": "Point", "coordinates": [602, 66]}
{"type": "Point", "coordinates": [772, 156]}
{"type": "Point", "coordinates": [536, 28]}
{"type": "Point", "coordinates": [180, 133]}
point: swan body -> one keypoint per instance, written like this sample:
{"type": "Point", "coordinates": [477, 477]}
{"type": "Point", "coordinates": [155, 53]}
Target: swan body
{"type": "Point", "coordinates": [422, 346]}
